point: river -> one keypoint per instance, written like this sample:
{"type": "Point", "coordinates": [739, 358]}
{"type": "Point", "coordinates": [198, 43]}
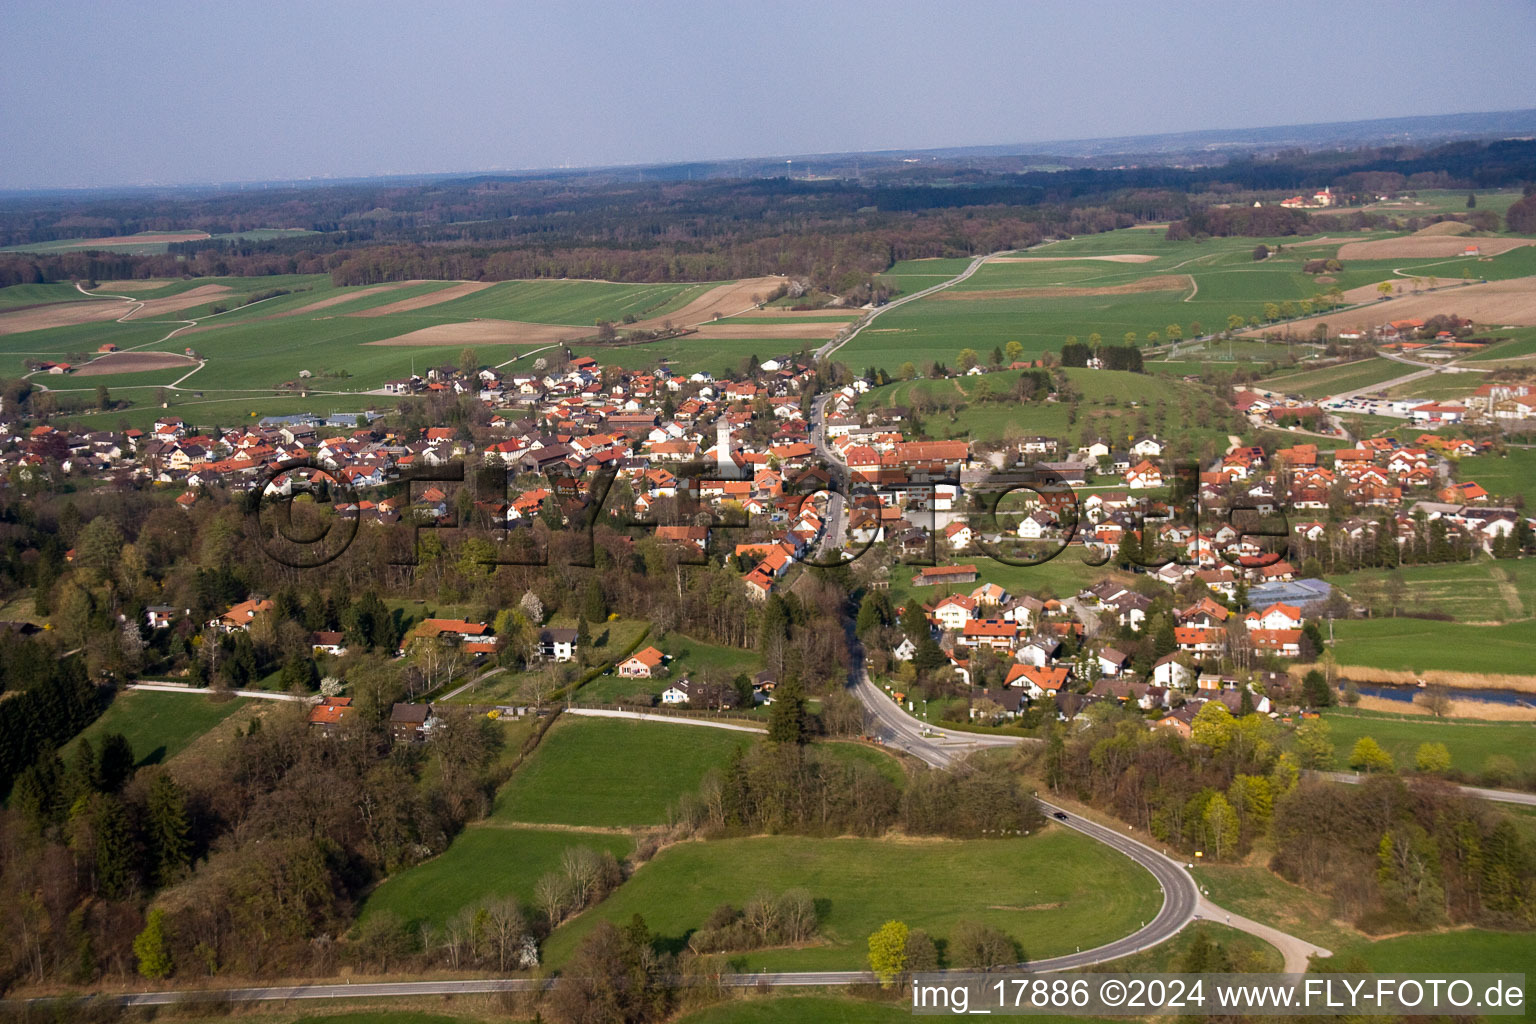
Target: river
{"type": "Point", "coordinates": [1407, 693]}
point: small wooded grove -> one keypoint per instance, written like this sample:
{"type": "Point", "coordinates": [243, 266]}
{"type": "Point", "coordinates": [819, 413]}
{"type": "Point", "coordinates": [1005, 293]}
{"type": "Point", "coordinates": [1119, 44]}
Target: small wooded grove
{"type": "Point", "coordinates": [789, 788]}
{"type": "Point", "coordinates": [254, 858]}
{"type": "Point", "coordinates": [1392, 854]}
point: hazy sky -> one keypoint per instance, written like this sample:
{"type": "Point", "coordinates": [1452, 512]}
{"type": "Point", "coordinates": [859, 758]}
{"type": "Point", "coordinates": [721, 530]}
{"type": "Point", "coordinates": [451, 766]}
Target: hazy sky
{"type": "Point", "coordinates": [128, 93]}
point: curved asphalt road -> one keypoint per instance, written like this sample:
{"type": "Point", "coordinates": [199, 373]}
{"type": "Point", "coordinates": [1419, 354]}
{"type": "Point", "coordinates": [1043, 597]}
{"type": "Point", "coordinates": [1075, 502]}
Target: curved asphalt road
{"type": "Point", "coordinates": [891, 726]}
{"type": "Point", "coordinates": [940, 747]}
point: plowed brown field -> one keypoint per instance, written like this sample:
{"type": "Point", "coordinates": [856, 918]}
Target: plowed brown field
{"type": "Point", "coordinates": [133, 362]}
{"type": "Point", "coordinates": [1509, 303]}
{"type": "Point", "coordinates": [1423, 246]}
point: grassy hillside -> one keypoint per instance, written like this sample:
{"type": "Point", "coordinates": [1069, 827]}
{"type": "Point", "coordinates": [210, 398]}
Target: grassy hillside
{"type": "Point", "coordinates": [611, 772]}
{"type": "Point", "coordinates": [485, 861]}
{"type": "Point", "coordinates": [1112, 404]}
{"type": "Point", "coordinates": [1052, 892]}
{"type": "Point", "coordinates": [157, 725]}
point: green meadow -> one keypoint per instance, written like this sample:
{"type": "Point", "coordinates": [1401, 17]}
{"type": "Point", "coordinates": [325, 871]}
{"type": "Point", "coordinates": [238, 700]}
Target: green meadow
{"type": "Point", "coordinates": [1470, 742]}
{"type": "Point", "coordinates": [484, 861]}
{"type": "Point", "coordinates": [579, 303]}
{"type": "Point", "coordinates": [1506, 476]}
{"type": "Point", "coordinates": [1484, 591]}
{"type": "Point", "coordinates": [157, 725]}
{"type": "Point", "coordinates": [1419, 645]}
{"type": "Point", "coordinates": [1220, 278]}
{"type": "Point", "coordinates": [1063, 890]}
{"type": "Point", "coordinates": [1331, 380]}
{"type": "Point", "coordinates": [613, 772]}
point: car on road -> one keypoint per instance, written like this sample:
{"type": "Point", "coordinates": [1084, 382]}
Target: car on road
{"type": "Point", "coordinates": [1060, 815]}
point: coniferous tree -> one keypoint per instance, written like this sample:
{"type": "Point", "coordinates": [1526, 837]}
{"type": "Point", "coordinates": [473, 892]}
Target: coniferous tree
{"type": "Point", "coordinates": [169, 830]}
{"type": "Point", "coordinates": [115, 763]}
{"type": "Point", "coordinates": [594, 606]}
{"type": "Point", "coordinates": [787, 718]}
{"type": "Point", "coordinates": [113, 847]}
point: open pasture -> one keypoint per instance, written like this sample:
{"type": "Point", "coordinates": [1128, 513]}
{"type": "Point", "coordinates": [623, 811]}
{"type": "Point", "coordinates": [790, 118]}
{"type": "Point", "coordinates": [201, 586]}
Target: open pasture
{"type": "Point", "coordinates": [1419, 645]}
{"type": "Point", "coordinates": [1483, 591]}
{"type": "Point", "coordinates": [1066, 891]}
{"type": "Point", "coordinates": [1342, 377]}
{"type": "Point", "coordinates": [1470, 742]}
{"type": "Point", "coordinates": [613, 772]}
{"type": "Point", "coordinates": [572, 303]}
{"type": "Point", "coordinates": [1086, 286]}
{"type": "Point", "coordinates": [157, 725]}
{"type": "Point", "coordinates": [1506, 476]}
{"type": "Point", "coordinates": [483, 862]}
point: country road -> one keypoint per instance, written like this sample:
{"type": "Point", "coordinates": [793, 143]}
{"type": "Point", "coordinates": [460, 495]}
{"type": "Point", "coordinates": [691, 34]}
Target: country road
{"type": "Point", "coordinates": [1501, 796]}
{"type": "Point", "coordinates": [1182, 901]}
{"type": "Point", "coordinates": [825, 352]}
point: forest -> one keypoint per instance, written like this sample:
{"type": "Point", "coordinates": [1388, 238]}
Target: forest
{"type": "Point", "coordinates": [1392, 855]}
{"type": "Point", "coordinates": [834, 233]}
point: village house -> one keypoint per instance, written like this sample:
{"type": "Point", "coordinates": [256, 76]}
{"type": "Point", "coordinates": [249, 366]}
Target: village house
{"type": "Point", "coordinates": [642, 664]}
{"type": "Point", "coordinates": [327, 716]}
{"type": "Point", "coordinates": [409, 723]}
{"type": "Point", "coordinates": [557, 644]}
{"type": "Point", "coordinates": [241, 615]}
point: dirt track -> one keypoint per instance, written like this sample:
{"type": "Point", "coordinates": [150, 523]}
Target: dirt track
{"type": "Point", "coordinates": [1422, 246]}
{"type": "Point", "coordinates": [415, 302]}
{"type": "Point", "coordinates": [154, 309]}
{"type": "Point", "coordinates": [1155, 283]}
{"type": "Point", "coordinates": [133, 362]}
